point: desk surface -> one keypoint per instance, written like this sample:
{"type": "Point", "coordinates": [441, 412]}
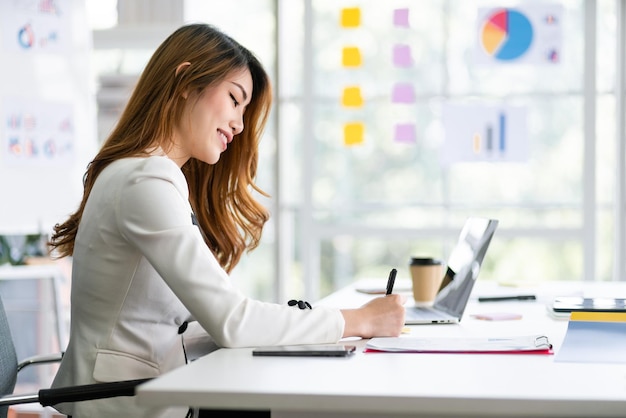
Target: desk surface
{"type": "Point", "coordinates": [421, 385]}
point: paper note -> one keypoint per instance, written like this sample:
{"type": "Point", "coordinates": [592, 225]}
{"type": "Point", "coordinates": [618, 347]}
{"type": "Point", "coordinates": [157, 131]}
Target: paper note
{"type": "Point", "coordinates": [497, 316]}
{"type": "Point", "coordinates": [353, 133]}
{"type": "Point", "coordinates": [352, 97]}
{"type": "Point", "coordinates": [351, 57]}
{"type": "Point", "coordinates": [402, 56]}
{"type": "Point", "coordinates": [351, 17]}
{"type": "Point", "coordinates": [403, 93]}
{"type": "Point", "coordinates": [404, 132]}
{"type": "Point", "coordinates": [401, 18]}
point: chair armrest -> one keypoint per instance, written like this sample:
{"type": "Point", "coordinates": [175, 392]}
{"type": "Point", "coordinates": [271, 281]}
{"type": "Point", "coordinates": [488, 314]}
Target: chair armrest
{"type": "Point", "coordinates": [9, 400]}
{"type": "Point", "coordinates": [40, 359]}
{"type": "Point", "coordinates": [50, 397]}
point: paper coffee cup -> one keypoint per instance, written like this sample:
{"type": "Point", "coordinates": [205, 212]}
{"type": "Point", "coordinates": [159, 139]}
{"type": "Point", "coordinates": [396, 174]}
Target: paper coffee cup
{"type": "Point", "coordinates": [426, 277]}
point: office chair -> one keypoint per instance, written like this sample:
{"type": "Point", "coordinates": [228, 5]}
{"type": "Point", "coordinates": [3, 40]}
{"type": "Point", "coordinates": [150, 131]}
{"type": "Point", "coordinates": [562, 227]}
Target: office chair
{"type": "Point", "coordinates": [9, 369]}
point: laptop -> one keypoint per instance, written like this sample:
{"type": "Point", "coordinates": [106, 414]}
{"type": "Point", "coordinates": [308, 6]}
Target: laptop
{"type": "Point", "coordinates": [462, 270]}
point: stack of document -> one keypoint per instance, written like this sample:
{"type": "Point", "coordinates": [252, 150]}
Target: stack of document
{"type": "Point", "coordinates": [594, 337]}
{"type": "Point", "coordinates": [530, 344]}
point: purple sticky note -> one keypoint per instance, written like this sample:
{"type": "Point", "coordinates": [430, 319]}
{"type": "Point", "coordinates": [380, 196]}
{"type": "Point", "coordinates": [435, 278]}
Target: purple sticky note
{"type": "Point", "coordinates": [404, 132]}
{"type": "Point", "coordinates": [402, 56]}
{"type": "Point", "coordinates": [401, 18]}
{"type": "Point", "coordinates": [403, 93]}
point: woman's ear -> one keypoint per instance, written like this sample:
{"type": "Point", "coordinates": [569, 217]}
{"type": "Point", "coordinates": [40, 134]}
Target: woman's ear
{"type": "Point", "coordinates": [180, 68]}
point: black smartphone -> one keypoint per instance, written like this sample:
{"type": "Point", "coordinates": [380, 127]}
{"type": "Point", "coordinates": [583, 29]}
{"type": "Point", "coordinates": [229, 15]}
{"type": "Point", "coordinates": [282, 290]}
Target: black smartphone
{"type": "Point", "coordinates": [312, 350]}
{"type": "Point", "coordinates": [596, 304]}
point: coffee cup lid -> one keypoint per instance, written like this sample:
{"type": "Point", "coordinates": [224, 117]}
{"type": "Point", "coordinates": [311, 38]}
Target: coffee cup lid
{"type": "Point", "coordinates": [424, 261]}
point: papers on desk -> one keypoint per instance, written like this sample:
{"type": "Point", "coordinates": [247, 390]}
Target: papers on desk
{"type": "Point", "coordinates": [594, 337]}
{"type": "Point", "coordinates": [531, 344]}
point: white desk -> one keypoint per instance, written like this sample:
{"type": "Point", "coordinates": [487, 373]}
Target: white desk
{"type": "Point", "coordinates": [401, 385]}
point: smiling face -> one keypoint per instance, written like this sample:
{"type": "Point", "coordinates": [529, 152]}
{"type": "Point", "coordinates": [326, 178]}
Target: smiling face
{"type": "Point", "coordinates": [212, 118]}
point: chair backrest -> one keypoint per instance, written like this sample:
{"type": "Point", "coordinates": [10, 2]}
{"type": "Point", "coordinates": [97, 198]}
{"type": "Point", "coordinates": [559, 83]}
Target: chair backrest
{"type": "Point", "coordinates": [8, 359]}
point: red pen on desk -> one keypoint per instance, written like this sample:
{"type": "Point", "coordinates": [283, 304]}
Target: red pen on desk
{"type": "Point", "coordinates": [391, 281]}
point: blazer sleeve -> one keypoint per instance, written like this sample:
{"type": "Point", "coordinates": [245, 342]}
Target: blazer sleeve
{"type": "Point", "coordinates": [153, 213]}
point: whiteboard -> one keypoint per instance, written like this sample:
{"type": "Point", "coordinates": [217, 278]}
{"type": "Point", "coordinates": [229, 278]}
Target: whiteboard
{"type": "Point", "coordinates": [48, 132]}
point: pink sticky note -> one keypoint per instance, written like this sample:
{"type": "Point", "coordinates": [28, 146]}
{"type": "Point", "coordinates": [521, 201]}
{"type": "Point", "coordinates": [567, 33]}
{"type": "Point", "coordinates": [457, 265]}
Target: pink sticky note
{"type": "Point", "coordinates": [401, 18]}
{"type": "Point", "coordinates": [402, 56]}
{"type": "Point", "coordinates": [404, 132]}
{"type": "Point", "coordinates": [497, 316]}
{"type": "Point", "coordinates": [403, 93]}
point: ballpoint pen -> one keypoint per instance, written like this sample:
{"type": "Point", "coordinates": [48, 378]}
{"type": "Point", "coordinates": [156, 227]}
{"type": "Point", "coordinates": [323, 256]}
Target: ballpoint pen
{"type": "Point", "coordinates": [504, 298]}
{"type": "Point", "coordinates": [391, 281]}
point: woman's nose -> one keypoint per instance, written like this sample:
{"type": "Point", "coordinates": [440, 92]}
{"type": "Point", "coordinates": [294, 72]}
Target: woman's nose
{"type": "Point", "coordinates": [237, 126]}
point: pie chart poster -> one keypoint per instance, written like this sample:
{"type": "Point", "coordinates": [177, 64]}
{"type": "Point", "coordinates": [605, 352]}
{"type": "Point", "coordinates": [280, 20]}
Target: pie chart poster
{"type": "Point", "coordinates": [520, 35]}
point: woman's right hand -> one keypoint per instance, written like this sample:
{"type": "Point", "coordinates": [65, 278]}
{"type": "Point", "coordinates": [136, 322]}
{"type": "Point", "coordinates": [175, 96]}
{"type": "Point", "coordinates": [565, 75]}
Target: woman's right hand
{"type": "Point", "coordinates": [380, 317]}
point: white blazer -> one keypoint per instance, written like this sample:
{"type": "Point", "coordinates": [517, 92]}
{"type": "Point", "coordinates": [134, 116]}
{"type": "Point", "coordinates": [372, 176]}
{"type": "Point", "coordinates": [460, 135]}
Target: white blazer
{"type": "Point", "coordinates": [141, 271]}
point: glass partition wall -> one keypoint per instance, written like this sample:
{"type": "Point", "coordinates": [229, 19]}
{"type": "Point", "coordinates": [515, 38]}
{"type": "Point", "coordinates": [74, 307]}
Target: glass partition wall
{"type": "Point", "coordinates": [395, 121]}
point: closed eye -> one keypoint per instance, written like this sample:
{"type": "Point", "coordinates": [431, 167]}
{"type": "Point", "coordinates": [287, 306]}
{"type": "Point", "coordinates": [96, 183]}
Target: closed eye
{"type": "Point", "coordinates": [234, 100]}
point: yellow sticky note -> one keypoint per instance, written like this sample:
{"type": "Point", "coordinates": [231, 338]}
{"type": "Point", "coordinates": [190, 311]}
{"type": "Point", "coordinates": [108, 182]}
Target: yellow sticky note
{"type": "Point", "coordinates": [352, 97]}
{"type": "Point", "coordinates": [351, 17]}
{"type": "Point", "coordinates": [351, 57]}
{"type": "Point", "coordinates": [598, 316]}
{"type": "Point", "coordinates": [353, 133]}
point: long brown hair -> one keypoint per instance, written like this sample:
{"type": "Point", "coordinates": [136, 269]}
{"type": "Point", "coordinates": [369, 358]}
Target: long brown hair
{"type": "Point", "coordinates": [221, 195]}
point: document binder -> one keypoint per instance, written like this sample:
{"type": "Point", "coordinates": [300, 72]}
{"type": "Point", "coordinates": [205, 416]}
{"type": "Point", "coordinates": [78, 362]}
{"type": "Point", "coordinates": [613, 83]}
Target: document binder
{"type": "Point", "coordinates": [594, 337]}
{"type": "Point", "coordinates": [530, 344]}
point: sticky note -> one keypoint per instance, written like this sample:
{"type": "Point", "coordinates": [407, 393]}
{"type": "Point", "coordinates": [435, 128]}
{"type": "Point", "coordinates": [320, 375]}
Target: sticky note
{"type": "Point", "coordinates": [404, 132]}
{"type": "Point", "coordinates": [401, 18]}
{"type": "Point", "coordinates": [351, 57]}
{"type": "Point", "coordinates": [497, 316]}
{"type": "Point", "coordinates": [350, 17]}
{"type": "Point", "coordinates": [352, 97]}
{"type": "Point", "coordinates": [402, 56]}
{"type": "Point", "coordinates": [403, 93]}
{"type": "Point", "coordinates": [353, 133]}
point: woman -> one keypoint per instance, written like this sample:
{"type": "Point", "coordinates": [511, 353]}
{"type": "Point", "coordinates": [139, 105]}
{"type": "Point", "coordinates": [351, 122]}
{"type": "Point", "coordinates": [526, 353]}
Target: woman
{"type": "Point", "coordinates": [166, 214]}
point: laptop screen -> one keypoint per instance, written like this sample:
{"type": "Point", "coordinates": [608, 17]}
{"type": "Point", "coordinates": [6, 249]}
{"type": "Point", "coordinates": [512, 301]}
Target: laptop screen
{"type": "Point", "coordinates": [464, 264]}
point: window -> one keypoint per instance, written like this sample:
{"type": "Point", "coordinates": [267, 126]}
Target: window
{"type": "Point", "coordinates": [343, 211]}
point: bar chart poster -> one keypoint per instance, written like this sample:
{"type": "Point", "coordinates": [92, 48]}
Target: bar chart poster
{"type": "Point", "coordinates": [36, 133]}
{"type": "Point", "coordinates": [484, 133]}
{"type": "Point", "coordinates": [528, 35]}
